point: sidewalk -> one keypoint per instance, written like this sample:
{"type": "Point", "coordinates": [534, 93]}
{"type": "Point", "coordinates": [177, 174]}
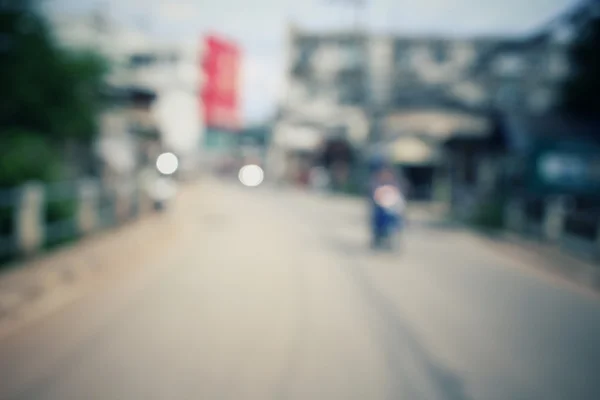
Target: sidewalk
{"type": "Point", "coordinates": [548, 257]}
{"type": "Point", "coordinates": [31, 289]}
{"type": "Point", "coordinates": [521, 249]}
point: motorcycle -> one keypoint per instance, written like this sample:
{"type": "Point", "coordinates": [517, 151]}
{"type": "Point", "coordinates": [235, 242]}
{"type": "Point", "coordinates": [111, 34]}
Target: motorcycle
{"type": "Point", "coordinates": [162, 193]}
{"type": "Point", "coordinates": [388, 217]}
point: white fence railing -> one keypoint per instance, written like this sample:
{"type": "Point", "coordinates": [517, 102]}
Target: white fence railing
{"type": "Point", "coordinates": [37, 216]}
{"type": "Point", "coordinates": [555, 220]}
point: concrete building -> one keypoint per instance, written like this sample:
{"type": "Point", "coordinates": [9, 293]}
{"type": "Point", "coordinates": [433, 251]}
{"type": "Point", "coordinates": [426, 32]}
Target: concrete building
{"type": "Point", "coordinates": [157, 85]}
{"type": "Point", "coordinates": [411, 94]}
{"type": "Point", "coordinates": [327, 84]}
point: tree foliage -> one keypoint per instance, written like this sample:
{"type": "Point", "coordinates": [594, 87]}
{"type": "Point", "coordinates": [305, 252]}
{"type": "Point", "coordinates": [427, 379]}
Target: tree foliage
{"type": "Point", "coordinates": [49, 95]}
{"type": "Point", "coordinates": [30, 156]}
{"type": "Point", "coordinates": [581, 92]}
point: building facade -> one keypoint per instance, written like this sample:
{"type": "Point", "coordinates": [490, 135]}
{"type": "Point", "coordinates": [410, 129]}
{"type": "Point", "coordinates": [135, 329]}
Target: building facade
{"type": "Point", "coordinates": [412, 94]}
{"type": "Point", "coordinates": [154, 87]}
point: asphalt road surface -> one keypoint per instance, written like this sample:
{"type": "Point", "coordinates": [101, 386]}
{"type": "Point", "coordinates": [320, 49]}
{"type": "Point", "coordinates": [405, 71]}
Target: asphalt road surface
{"type": "Point", "coordinates": [267, 294]}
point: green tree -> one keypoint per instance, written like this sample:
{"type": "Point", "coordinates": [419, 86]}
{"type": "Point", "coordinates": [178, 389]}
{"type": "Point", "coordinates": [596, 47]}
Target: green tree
{"type": "Point", "coordinates": [27, 156]}
{"type": "Point", "coordinates": [581, 92]}
{"type": "Point", "coordinates": [49, 95]}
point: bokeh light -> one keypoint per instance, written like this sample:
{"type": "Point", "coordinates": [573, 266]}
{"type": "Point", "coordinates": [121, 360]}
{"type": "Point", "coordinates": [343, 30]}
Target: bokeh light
{"type": "Point", "coordinates": [167, 163]}
{"type": "Point", "coordinates": [251, 175]}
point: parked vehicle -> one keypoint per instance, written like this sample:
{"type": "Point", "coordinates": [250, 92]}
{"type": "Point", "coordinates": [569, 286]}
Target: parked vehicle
{"type": "Point", "coordinates": [163, 192]}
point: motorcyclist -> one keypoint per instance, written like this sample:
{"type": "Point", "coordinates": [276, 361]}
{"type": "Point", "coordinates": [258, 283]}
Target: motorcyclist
{"type": "Point", "coordinates": [381, 174]}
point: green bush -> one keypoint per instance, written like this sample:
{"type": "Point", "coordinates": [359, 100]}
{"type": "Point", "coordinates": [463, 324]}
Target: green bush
{"type": "Point", "coordinates": [489, 214]}
{"type": "Point", "coordinates": [56, 212]}
{"type": "Point", "coordinates": [60, 210]}
{"type": "Point", "coordinates": [26, 156]}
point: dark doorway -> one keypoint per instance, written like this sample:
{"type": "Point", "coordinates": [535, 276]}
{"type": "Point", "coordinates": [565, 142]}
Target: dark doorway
{"type": "Point", "coordinates": [338, 157]}
{"type": "Point", "coordinates": [420, 179]}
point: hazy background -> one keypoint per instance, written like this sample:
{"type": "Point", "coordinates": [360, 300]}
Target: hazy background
{"type": "Point", "coordinates": [259, 27]}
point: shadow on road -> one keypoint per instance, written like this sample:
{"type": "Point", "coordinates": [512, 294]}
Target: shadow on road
{"type": "Point", "coordinates": [416, 372]}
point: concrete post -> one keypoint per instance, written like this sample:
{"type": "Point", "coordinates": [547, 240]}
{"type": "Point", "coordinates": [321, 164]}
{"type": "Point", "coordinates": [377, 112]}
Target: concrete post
{"type": "Point", "coordinates": [29, 219]}
{"type": "Point", "coordinates": [486, 176]}
{"type": "Point", "coordinates": [597, 255]}
{"type": "Point", "coordinates": [554, 218]}
{"type": "Point", "coordinates": [514, 215]}
{"type": "Point", "coordinates": [88, 206]}
{"type": "Point", "coordinates": [442, 185]}
{"type": "Point", "coordinates": [123, 202]}
{"type": "Point", "coordinates": [456, 173]}
{"type": "Point", "coordinates": [144, 201]}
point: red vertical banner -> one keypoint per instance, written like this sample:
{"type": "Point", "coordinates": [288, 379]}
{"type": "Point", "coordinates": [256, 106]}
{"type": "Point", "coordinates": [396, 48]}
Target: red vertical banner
{"type": "Point", "coordinates": [220, 91]}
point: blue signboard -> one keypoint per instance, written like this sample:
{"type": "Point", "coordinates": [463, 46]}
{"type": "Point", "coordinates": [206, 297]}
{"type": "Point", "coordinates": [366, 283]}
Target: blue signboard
{"type": "Point", "coordinates": [568, 168]}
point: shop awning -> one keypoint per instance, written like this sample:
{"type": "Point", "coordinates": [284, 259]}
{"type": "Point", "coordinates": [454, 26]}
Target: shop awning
{"type": "Point", "coordinates": [440, 125]}
{"type": "Point", "coordinates": [298, 138]}
{"type": "Point", "coordinates": [413, 151]}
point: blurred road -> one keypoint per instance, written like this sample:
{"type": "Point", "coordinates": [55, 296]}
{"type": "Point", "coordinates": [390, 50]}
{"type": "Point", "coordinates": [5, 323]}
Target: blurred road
{"type": "Point", "coordinates": [263, 294]}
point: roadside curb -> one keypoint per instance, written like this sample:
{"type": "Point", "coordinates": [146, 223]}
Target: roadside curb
{"type": "Point", "coordinates": [33, 281]}
{"type": "Point", "coordinates": [535, 255]}
{"type": "Point", "coordinates": [554, 260]}
{"type": "Point", "coordinates": [524, 251]}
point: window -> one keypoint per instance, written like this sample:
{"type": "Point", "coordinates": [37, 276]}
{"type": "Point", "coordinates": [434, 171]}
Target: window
{"type": "Point", "coordinates": [305, 50]}
{"type": "Point", "coordinates": [141, 60]}
{"type": "Point", "coordinates": [557, 66]}
{"type": "Point", "coordinates": [351, 96]}
{"type": "Point", "coordinates": [508, 95]}
{"type": "Point", "coordinates": [401, 55]}
{"type": "Point", "coordinates": [304, 55]}
{"type": "Point", "coordinates": [509, 65]}
{"type": "Point", "coordinates": [327, 60]}
{"type": "Point", "coordinates": [439, 53]}
{"type": "Point", "coordinates": [469, 92]}
{"type": "Point", "coordinates": [540, 100]}
{"type": "Point", "coordinates": [351, 56]}
{"type": "Point", "coordinates": [301, 66]}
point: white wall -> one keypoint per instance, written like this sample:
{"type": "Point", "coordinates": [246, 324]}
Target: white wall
{"type": "Point", "coordinates": [178, 107]}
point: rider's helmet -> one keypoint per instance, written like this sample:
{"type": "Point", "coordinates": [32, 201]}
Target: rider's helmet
{"type": "Point", "coordinates": [378, 163]}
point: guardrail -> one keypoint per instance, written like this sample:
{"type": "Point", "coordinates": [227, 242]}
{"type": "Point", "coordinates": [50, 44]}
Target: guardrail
{"type": "Point", "coordinates": [38, 216]}
{"type": "Point", "coordinates": [555, 220]}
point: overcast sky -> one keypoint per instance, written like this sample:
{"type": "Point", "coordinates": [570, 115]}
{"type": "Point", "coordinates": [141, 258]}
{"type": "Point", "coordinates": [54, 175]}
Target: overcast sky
{"type": "Point", "coordinates": [259, 26]}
